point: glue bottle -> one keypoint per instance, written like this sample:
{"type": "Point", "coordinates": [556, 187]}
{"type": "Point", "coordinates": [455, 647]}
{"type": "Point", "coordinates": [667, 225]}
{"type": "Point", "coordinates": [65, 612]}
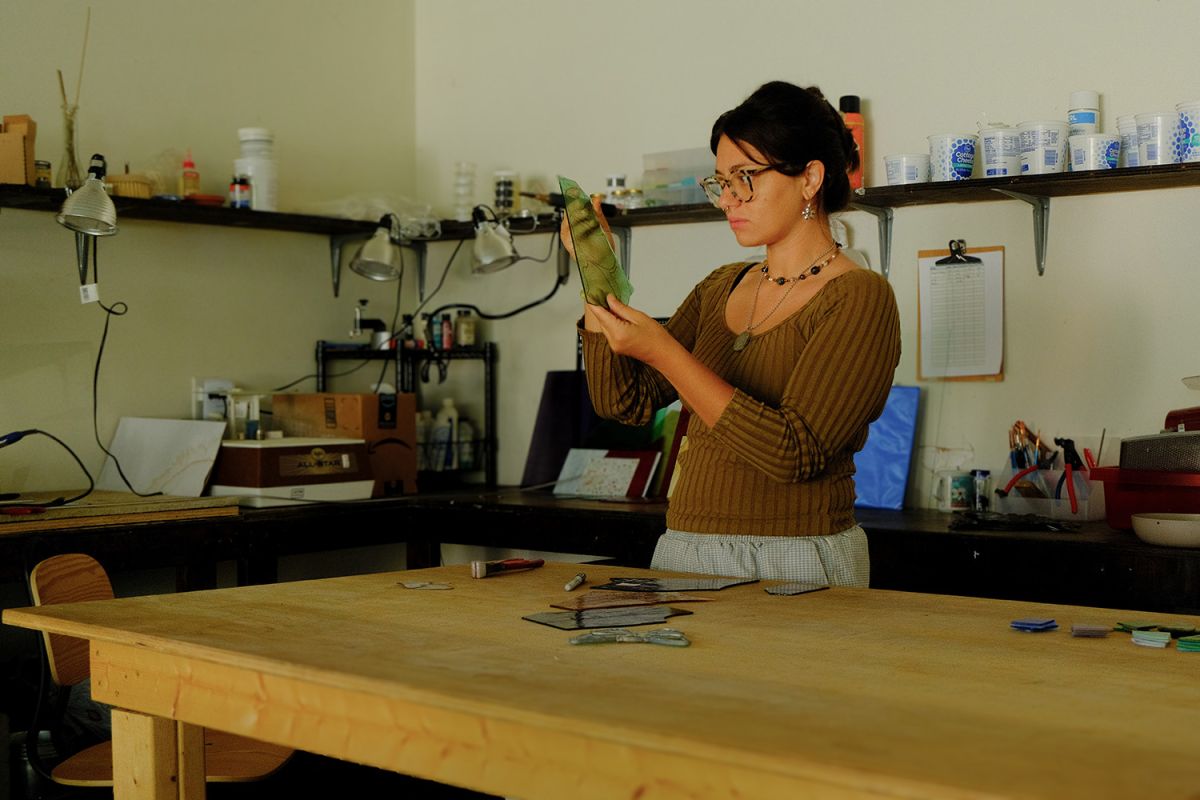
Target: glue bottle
{"type": "Point", "coordinates": [849, 105]}
{"type": "Point", "coordinates": [189, 177]}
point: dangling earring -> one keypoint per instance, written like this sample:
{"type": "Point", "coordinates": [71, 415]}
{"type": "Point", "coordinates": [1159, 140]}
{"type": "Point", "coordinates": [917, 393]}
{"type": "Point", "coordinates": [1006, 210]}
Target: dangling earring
{"type": "Point", "coordinates": [808, 212]}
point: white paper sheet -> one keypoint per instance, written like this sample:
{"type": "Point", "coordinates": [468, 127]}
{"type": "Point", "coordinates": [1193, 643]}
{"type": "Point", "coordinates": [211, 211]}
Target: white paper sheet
{"type": "Point", "coordinates": [961, 330]}
{"type": "Point", "coordinates": [172, 456]}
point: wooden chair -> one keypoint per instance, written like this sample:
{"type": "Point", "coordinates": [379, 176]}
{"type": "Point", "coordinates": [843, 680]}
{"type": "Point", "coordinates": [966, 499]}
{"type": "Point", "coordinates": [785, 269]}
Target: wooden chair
{"type": "Point", "coordinates": [74, 578]}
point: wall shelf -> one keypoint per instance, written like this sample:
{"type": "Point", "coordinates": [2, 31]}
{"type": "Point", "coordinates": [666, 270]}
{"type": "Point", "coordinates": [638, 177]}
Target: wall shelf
{"type": "Point", "coordinates": [30, 199]}
{"type": "Point", "coordinates": [1036, 190]}
{"type": "Point", "coordinates": [880, 201]}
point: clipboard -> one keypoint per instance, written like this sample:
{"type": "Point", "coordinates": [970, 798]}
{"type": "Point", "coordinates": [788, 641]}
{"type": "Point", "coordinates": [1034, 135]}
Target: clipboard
{"type": "Point", "coordinates": [958, 254]}
{"type": "Point", "coordinates": [599, 269]}
{"type": "Point", "coordinates": [960, 310]}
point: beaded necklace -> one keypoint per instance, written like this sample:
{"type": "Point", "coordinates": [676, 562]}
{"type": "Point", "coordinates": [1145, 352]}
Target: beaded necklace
{"type": "Point", "coordinates": [744, 337]}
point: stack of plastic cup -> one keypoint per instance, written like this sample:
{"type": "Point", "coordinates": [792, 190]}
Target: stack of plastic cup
{"type": "Point", "coordinates": [464, 190]}
{"type": "Point", "coordinates": [1127, 129]}
{"type": "Point", "coordinates": [1156, 137]}
{"type": "Point", "coordinates": [1091, 151]}
{"type": "Point", "coordinates": [906, 168]}
{"type": "Point", "coordinates": [1188, 135]}
{"type": "Point", "coordinates": [1001, 146]}
{"type": "Point", "coordinates": [1043, 147]}
{"type": "Point", "coordinates": [952, 156]}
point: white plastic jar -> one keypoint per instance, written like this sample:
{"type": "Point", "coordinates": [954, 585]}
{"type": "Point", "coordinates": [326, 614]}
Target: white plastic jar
{"type": "Point", "coordinates": [258, 163]}
{"type": "Point", "coordinates": [1083, 117]}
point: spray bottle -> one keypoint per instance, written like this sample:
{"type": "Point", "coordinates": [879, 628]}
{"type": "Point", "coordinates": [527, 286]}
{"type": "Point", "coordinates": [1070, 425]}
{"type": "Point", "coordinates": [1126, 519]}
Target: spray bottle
{"type": "Point", "coordinates": [445, 437]}
{"type": "Point", "coordinates": [850, 107]}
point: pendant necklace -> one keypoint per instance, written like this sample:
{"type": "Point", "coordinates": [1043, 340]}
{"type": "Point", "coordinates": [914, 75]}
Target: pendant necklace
{"type": "Point", "coordinates": [744, 337]}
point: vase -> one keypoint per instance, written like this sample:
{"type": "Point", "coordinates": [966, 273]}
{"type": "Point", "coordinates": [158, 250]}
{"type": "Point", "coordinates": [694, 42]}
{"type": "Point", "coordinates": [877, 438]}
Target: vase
{"type": "Point", "coordinates": [68, 167]}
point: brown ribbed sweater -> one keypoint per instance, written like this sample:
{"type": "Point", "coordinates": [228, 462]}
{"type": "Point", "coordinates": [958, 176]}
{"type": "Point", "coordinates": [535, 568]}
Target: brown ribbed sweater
{"type": "Point", "coordinates": [779, 461]}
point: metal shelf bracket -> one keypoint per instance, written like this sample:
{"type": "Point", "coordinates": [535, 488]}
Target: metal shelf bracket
{"type": "Point", "coordinates": [884, 216]}
{"type": "Point", "coordinates": [1041, 223]}
{"type": "Point", "coordinates": [624, 245]}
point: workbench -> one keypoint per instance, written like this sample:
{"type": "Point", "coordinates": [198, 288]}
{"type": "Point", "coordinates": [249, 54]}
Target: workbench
{"type": "Point", "coordinates": [860, 693]}
{"type": "Point", "coordinates": [911, 550]}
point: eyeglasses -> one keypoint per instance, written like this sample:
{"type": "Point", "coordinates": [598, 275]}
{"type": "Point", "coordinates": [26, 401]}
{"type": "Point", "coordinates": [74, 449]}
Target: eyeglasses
{"type": "Point", "coordinates": [741, 183]}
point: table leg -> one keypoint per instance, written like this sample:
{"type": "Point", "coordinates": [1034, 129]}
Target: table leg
{"type": "Point", "coordinates": [146, 757]}
{"type": "Point", "coordinates": [190, 744]}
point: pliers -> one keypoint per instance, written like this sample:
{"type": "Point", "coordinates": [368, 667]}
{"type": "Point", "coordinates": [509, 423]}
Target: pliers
{"type": "Point", "coordinates": [1071, 462]}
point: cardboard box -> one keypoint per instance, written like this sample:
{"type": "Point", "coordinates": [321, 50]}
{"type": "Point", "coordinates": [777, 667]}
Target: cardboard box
{"type": "Point", "coordinates": [386, 422]}
{"type": "Point", "coordinates": [282, 471]}
{"type": "Point", "coordinates": [12, 158]}
{"type": "Point", "coordinates": [17, 145]}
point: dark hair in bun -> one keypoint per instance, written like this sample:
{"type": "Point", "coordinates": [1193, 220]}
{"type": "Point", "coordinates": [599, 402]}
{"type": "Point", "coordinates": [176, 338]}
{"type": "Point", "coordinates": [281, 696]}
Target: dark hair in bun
{"type": "Point", "coordinates": [792, 126]}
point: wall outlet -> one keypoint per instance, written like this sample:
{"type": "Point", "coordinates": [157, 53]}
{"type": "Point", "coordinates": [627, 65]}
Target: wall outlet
{"type": "Point", "coordinates": [207, 399]}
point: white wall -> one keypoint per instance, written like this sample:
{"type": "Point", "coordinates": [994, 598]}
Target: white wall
{"type": "Point", "coordinates": [374, 97]}
{"type": "Point", "coordinates": [335, 82]}
{"type": "Point", "coordinates": [1099, 342]}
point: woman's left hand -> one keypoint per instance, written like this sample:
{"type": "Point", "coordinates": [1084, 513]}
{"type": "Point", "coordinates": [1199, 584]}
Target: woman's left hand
{"type": "Point", "coordinates": [630, 332]}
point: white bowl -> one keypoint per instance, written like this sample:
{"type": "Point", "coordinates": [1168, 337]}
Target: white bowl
{"type": "Point", "coordinates": [1170, 530]}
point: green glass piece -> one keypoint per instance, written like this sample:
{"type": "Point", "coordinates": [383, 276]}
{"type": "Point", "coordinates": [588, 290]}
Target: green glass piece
{"type": "Point", "coordinates": [599, 269]}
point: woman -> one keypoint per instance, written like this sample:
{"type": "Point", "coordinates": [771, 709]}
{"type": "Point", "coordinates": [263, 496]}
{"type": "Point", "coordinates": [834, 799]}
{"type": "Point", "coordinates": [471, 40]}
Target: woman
{"type": "Point", "coordinates": [783, 363]}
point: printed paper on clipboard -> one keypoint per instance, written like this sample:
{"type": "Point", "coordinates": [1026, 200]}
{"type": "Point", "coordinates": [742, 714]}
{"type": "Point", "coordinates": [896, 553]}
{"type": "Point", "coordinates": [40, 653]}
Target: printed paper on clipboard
{"type": "Point", "coordinates": [599, 270]}
{"type": "Point", "coordinates": [960, 308]}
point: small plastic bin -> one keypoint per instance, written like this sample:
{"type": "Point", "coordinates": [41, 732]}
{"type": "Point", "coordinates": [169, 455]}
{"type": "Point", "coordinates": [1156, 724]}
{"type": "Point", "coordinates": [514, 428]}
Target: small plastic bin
{"type": "Point", "coordinates": [1137, 491]}
{"type": "Point", "coordinates": [670, 178]}
{"type": "Point", "coordinates": [1089, 496]}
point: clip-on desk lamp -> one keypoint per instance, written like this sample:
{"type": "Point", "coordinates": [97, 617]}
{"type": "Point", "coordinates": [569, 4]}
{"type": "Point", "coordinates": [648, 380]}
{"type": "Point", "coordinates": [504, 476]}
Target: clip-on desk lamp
{"type": "Point", "coordinates": [90, 212]}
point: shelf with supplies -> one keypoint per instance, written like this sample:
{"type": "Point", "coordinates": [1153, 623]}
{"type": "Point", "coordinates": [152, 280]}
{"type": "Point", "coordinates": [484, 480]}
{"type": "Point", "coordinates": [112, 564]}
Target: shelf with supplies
{"type": "Point", "coordinates": [881, 200]}
{"type": "Point", "coordinates": [340, 231]}
{"type": "Point", "coordinates": [417, 366]}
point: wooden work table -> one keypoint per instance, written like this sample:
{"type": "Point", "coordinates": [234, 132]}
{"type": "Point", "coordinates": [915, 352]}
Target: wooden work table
{"type": "Point", "coordinates": [838, 693]}
{"type": "Point", "coordinates": [910, 550]}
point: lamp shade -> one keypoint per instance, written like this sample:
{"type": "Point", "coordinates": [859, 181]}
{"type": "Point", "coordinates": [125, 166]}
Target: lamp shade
{"type": "Point", "coordinates": [89, 209]}
{"type": "Point", "coordinates": [493, 249]}
{"type": "Point", "coordinates": [379, 258]}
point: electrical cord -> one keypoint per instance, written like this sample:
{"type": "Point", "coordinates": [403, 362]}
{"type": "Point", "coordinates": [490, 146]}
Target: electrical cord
{"type": "Point", "coordinates": [392, 338]}
{"type": "Point", "coordinates": [313, 375]}
{"type": "Point", "coordinates": [554, 243]}
{"type": "Point", "coordinates": [443, 364]}
{"type": "Point", "coordinates": [117, 309]}
{"type": "Point", "coordinates": [16, 436]}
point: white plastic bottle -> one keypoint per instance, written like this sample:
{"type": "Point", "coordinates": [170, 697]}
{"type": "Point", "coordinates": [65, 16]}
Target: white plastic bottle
{"type": "Point", "coordinates": [1084, 114]}
{"type": "Point", "coordinates": [466, 445]}
{"type": "Point", "coordinates": [258, 163]}
{"type": "Point", "coordinates": [445, 434]}
{"type": "Point", "coordinates": [424, 427]}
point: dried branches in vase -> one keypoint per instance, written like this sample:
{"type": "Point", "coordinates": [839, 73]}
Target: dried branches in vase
{"type": "Point", "coordinates": [68, 168]}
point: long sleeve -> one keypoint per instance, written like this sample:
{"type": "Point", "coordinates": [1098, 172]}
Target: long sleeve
{"type": "Point", "coordinates": [837, 386]}
{"type": "Point", "coordinates": [780, 459]}
{"type": "Point", "coordinates": [624, 388]}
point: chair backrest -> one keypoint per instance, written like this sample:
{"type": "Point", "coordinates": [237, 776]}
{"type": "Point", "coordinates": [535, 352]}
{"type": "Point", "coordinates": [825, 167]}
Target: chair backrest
{"type": "Point", "coordinates": [68, 578]}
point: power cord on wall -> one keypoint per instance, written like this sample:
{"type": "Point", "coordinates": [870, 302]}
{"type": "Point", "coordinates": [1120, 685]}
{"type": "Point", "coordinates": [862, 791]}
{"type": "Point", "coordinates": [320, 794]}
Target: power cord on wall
{"type": "Point", "coordinates": [118, 309]}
